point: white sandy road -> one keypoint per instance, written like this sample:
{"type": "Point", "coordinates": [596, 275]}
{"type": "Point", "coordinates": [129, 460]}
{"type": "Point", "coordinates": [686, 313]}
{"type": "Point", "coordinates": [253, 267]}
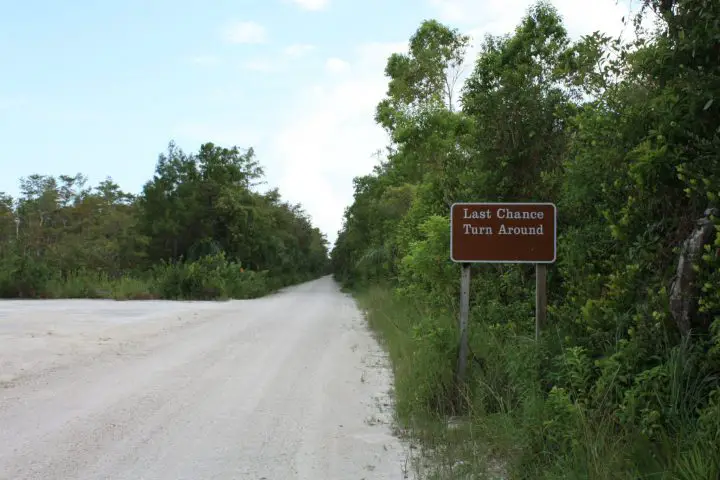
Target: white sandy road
{"type": "Point", "coordinates": [290, 386]}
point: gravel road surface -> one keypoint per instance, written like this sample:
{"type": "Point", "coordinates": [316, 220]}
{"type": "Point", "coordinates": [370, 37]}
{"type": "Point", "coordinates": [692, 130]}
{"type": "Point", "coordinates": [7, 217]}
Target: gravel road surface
{"type": "Point", "coordinates": [290, 386]}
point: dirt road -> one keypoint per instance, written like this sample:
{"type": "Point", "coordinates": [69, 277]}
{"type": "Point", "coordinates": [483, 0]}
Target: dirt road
{"type": "Point", "coordinates": [290, 386]}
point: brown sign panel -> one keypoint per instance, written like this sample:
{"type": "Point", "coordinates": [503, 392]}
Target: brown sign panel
{"type": "Point", "coordinates": [503, 232]}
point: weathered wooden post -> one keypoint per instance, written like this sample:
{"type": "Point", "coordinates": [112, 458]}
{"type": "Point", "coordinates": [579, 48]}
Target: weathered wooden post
{"type": "Point", "coordinates": [540, 298]}
{"type": "Point", "coordinates": [464, 314]}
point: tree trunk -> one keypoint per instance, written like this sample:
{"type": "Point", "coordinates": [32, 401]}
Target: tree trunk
{"type": "Point", "coordinates": [683, 292]}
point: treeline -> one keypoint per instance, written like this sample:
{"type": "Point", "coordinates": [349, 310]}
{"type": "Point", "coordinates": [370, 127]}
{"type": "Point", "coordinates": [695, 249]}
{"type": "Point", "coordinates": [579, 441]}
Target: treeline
{"type": "Point", "coordinates": [624, 137]}
{"type": "Point", "coordinates": [198, 230]}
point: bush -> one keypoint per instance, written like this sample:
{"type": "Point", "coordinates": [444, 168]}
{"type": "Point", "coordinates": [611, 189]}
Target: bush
{"type": "Point", "coordinates": [211, 277]}
{"type": "Point", "coordinates": [24, 276]}
{"type": "Point", "coordinates": [132, 288]}
{"type": "Point", "coordinates": [79, 284]}
{"type": "Point", "coordinates": [208, 278]}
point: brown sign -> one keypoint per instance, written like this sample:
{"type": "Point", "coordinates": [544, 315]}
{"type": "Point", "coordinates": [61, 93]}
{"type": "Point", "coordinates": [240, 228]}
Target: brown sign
{"type": "Point", "coordinates": [503, 232]}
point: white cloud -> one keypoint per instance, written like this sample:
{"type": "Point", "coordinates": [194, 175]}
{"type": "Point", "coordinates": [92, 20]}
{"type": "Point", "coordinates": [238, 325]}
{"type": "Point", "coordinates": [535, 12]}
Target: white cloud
{"type": "Point", "coordinates": [312, 4]}
{"type": "Point", "coordinates": [245, 32]}
{"type": "Point", "coordinates": [330, 137]}
{"type": "Point", "coordinates": [298, 50]}
{"type": "Point", "coordinates": [336, 65]}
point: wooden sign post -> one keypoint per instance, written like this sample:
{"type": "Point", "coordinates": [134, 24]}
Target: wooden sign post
{"type": "Point", "coordinates": [464, 315]}
{"type": "Point", "coordinates": [502, 233]}
{"type": "Point", "coordinates": [540, 297]}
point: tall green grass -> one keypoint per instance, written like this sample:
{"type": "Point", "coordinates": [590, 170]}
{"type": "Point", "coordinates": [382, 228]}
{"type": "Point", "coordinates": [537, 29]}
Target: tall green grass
{"type": "Point", "coordinates": [517, 422]}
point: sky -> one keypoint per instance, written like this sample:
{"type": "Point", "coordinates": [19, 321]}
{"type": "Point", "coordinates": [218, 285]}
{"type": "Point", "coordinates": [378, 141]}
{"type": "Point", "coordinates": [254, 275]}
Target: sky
{"type": "Point", "coordinates": [102, 87]}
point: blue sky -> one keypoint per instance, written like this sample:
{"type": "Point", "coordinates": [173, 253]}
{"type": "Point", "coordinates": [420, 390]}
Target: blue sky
{"type": "Point", "coordinates": [102, 87]}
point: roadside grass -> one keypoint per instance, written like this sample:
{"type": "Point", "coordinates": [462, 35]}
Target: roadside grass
{"type": "Point", "coordinates": [423, 379]}
{"type": "Point", "coordinates": [132, 288]}
{"type": "Point", "coordinates": [77, 284]}
{"type": "Point", "coordinates": [513, 422]}
{"type": "Point", "coordinates": [447, 446]}
{"type": "Point", "coordinates": [85, 284]}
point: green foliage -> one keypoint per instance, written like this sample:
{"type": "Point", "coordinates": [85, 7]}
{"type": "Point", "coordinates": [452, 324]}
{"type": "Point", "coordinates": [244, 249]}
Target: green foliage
{"type": "Point", "coordinates": [197, 231]}
{"type": "Point", "coordinates": [23, 275]}
{"type": "Point", "coordinates": [425, 272]}
{"type": "Point", "coordinates": [210, 277]}
{"type": "Point", "coordinates": [624, 139]}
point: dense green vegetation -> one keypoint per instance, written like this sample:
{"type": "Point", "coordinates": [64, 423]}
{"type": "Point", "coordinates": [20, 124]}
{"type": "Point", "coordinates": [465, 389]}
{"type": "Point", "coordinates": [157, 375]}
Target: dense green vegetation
{"type": "Point", "coordinates": [625, 138]}
{"type": "Point", "coordinates": [198, 230]}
